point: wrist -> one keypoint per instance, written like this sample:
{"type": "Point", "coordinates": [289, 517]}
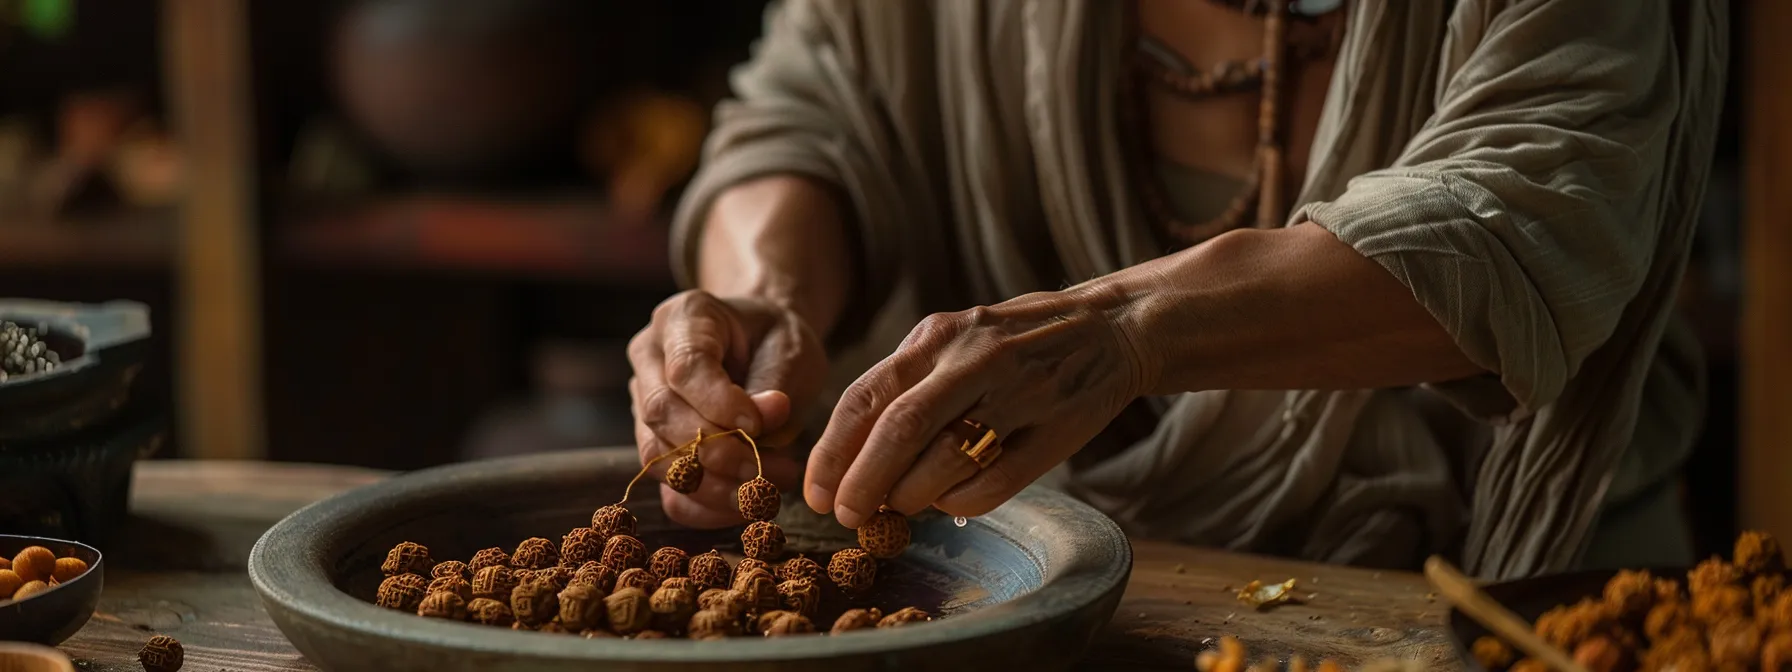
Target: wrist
{"type": "Point", "coordinates": [1118, 302]}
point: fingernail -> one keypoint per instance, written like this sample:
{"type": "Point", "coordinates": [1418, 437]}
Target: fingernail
{"type": "Point", "coordinates": [847, 516]}
{"type": "Point", "coordinates": [815, 493]}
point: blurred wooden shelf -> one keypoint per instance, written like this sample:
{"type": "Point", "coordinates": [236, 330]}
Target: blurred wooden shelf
{"type": "Point", "coordinates": [125, 240]}
{"type": "Point", "coordinates": [557, 239]}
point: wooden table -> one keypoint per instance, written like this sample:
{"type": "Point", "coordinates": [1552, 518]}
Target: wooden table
{"type": "Point", "coordinates": [179, 570]}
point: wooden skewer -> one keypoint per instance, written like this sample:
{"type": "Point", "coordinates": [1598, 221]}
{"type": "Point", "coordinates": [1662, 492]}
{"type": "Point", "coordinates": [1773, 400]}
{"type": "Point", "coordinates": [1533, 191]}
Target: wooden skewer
{"type": "Point", "coordinates": [1468, 597]}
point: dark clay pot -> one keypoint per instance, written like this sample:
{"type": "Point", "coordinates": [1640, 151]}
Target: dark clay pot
{"type": "Point", "coordinates": [460, 90]}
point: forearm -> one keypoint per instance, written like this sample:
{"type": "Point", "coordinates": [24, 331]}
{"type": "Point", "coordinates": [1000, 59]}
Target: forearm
{"type": "Point", "coordinates": [1279, 309]}
{"type": "Point", "coordinates": [780, 239]}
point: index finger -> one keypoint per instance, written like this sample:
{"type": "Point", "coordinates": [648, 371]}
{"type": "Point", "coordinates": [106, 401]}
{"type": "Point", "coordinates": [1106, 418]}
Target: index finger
{"type": "Point", "coordinates": [698, 339]}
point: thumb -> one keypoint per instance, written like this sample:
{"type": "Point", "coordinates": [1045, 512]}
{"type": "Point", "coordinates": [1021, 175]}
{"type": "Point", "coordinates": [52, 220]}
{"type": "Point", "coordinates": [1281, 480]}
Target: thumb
{"type": "Point", "coordinates": [774, 409]}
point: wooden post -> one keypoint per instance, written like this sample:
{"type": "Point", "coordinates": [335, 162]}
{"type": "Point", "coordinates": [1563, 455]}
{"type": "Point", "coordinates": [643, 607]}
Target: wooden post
{"type": "Point", "coordinates": [1766, 451]}
{"type": "Point", "coordinates": [218, 301]}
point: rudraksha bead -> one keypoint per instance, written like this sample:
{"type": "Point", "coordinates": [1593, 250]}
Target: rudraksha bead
{"type": "Point", "coordinates": [629, 610]}
{"type": "Point", "coordinates": [685, 474]}
{"type": "Point", "coordinates": [799, 567]}
{"type": "Point", "coordinates": [494, 583]}
{"type": "Point", "coordinates": [490, 557]}
{"type": "Point", "coordinates": [853, 570]}
{"type": "Point", "coordinates": [407, 558]}
{"type": "Point", "coordinates": [667, 562]}
{"type": "Point", "coordinates": [582, 608]}
{"type": "Point", "coordinates": [904, 616]}
{"type": "Point", "coordinates": [447, 605]}
{"type": "Point", "coordinates": [801, 596]}
{"type": "Point", "coordinates": [580, 546]}
{"type": "Point", "coordinates": [609, 521]}
{"type": "Point", "coordinates": [857, 619]}
{"type": "Point", "coordinates": [487, 611]}
{"type": "Point", "coordinates": [596, 575]}
{"type": "Point", "coordinates": [758, 499]}
{"type": "Point", "coordinates": [762, 541]}
{"type": "Point", "coordinates": [710, 570]}
{"type": "Point", "coordinates": [402, 592]}
{"type": "Point", "coordinates": [534, 602]}
{"type": "Point", "coordinates": [535, 553]}
{"type": "Point", "coordinates": [884, 535]}
{"type": "Point", "coordinates": [624, 552]}
{"type": "Point", "coordinates": [637, 578]}
{"type": "Point", "coordinates": [162, 654]}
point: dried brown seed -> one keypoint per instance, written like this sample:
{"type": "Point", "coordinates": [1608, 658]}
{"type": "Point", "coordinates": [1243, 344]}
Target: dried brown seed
{"type": "Point", "coordinates": [580, 546]}
{"type": "Point", "coordinates": [535, 553]}
{"type": "Point", "coordinates": [711, 624]}
{"type": "Point", "coordinates": [763, 541]}
{"type": "Point", "coordinates": [67, 569]}
{"type": "Point", "coordinates": [672, 609]}
{"type": "Point", "coordinates": [732, 603]}
{"type": "Point", "coordinates": [885, 534]}
{"type": "Point", "coordinates": [760, 590]}
{"type": "Point", "coordinates": [624, 552]}
{"type": "Point", "coordinates": [487, 611]}
{"type": "Point", "coordinates": [34, 563]}
{"type": "Point", "coordinates": [799, 567]}
{"type": "Point", "coordinates": [162, 654]}
{"type": "Point", "coordinates": [445, 604]}
{"type": "Point", "coordinates": [582, 608]}
{"type": "Point", "coordinates": [685, 474]}
{"type": "Point", "coordinates": [857, 619]}
{"type": "Point", "coordinates": [668, 562]}
{"type": "Point", "coordinates": [711, 570]}
{"type": "Point", "coordinates": [407, 558]}
{"type": "Point", "coordinates": [9, 584]}
{"type": "Point", "coordinates": [596, 575]}
{"type": "Point", "coordinates": [1757, 553]}
{"type": "Point", "coordinates": [452, 583]}
{"type": "Point", "coordinates": [30, 588]}
{"type": "Point", "coordinates": [494, 583]}
{"type": "Point", "coordinates": [612, 520]}
{"type": "Point", "coordinates": [629, 610]}
{"type": "Point", "coordinates": [681, 583]}
{"type": "Point", "coordinates": [449, 568]}
{"type": "Point", "coordinates": [402, 592]}
{"type": "Point", "coordinates": [534, 602]}
{"type": "Point", "coordinates": [651, 634]}
{"type": "Point", "coordinates": [853, 570]}
{"type": "Point", "coordinates": [491, 557]}
{"type": "Point", "coordinates": [758, 499]}
{"type": "Point", "coordinates": [904, 616]}
{"type": "Point", "coordinates": [801, 596]}
{"type": "Point", "coordinates": [785, 623]}
{"type": "Point", "coordinates": [749, 564]}
{"type": "Point", "coordinates": [637, 578]}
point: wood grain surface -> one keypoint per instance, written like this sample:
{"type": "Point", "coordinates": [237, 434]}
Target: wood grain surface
{"type": "Point", "coordinates": [179, 572]}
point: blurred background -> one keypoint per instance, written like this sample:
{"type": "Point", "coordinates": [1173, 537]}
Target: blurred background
{"type": "Point", "coordinates": [399, 233]}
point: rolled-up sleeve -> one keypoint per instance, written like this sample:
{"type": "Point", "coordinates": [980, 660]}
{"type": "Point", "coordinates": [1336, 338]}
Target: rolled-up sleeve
{"type": "Point", "coordinates": [1524, 214]}
{"type": "Point", "coordinates": [815, 100]}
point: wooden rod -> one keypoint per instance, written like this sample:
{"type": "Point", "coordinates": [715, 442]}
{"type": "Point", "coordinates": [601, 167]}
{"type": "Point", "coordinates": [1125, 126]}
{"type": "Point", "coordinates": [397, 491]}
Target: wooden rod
{"type": "Point", "coordinates": [219, 290]}
{"type": "Point", "coordinates": [1766, 450]}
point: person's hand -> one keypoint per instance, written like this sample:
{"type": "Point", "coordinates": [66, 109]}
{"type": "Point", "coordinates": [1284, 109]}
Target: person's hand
{"type": "Point", "coordinates": [1045, 371]}
{"type": "Point", "coordinates": [712, 364]}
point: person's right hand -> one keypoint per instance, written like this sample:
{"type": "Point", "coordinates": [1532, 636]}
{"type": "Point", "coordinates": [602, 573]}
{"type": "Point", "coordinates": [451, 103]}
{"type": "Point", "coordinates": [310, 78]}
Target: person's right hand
{"type": "Point", "coordinates": [713, 364]}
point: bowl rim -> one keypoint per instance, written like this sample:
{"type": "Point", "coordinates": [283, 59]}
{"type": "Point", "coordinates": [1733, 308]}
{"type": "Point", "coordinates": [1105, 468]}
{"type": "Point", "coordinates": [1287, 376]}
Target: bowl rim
{"type": "Point", "coordinates": [288, 561]}
{"type": "Point", "coordinates": [99, 559]}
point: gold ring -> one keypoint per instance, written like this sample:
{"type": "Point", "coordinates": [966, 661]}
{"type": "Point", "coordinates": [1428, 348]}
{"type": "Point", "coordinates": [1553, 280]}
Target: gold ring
{"type": "Point", "coordinates": [985, 448]}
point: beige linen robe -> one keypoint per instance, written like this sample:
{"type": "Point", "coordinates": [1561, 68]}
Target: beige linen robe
{"type": "Point", "coordinates": [1530, 169]}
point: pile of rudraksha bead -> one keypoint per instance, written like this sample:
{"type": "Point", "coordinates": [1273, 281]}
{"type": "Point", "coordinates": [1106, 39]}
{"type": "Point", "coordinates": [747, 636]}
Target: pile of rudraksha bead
{"type": "Point", "coordinates": [600, 581]}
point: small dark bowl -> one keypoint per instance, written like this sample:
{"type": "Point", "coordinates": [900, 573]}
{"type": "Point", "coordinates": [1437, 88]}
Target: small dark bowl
{"type": "Point", "coordinates": [55, 615]}
{"type": "Point", "coordinates": [103, 347]}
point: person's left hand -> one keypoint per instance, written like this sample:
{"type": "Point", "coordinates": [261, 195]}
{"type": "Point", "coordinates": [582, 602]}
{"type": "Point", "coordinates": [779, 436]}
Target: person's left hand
{"type": "Point", "coordinates": [1046, 371]}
